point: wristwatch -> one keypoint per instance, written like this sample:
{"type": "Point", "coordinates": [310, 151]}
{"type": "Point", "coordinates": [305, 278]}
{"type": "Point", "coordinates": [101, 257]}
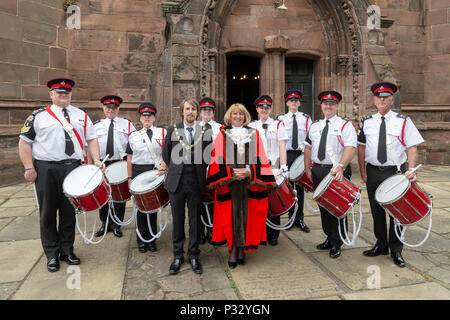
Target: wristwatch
{"type": "Point", "coordinates": [341, 165]}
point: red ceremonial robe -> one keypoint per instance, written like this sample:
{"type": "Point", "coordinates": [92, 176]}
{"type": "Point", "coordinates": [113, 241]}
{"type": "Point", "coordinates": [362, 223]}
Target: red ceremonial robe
{"type": "Point", "coordinates": [220, 175]}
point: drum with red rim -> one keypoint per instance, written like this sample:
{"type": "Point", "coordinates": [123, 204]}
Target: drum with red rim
{"type": "Point", "coordinates": [282, 199]}
{"type": "Point", "coordinates": [86, 188]}
{"type": "Point", "coordinates": [117, 176]}
{"type": "Point", "coordinates": [208, 197]}
{"type": "Point", "coordinates": [337, 197]}
{"type": "Point", "coordinates": [297, 173]}
{"type": "Point", "coordinates": [148, 191]}
{"type": "Point", "coordinates": [404, 200]}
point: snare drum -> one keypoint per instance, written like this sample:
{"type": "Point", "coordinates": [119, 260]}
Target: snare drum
{"type": "Point", "coordinates": [297, 173]}
{"type": "Point", "coordinates": [337, 197]}
{"type": "Point", "coordinates": [117, 176]}
{"type": "Point", "coordinates": [404, 200]}
{"type": "Point", "coordinates": [148, 191]}
{"type": "Point", "coordinates": [208, 197]}
{"type": "Point", "coordinates": [281, 200]}
{"type": "Point", "coordinates": [86, 193]}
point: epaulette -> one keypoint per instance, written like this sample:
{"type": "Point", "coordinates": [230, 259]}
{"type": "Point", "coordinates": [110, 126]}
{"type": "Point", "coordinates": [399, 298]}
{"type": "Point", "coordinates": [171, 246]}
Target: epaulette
{"type": "Point", "coordinates": [98, 121]}
{"type": "Point", "coordinates": [306, 115]}
{"type": "Point", "coordinates": [401, 116]}
{"type": "Point", "coordinates": [366, 118]}
{"type": "Point", "coordinates": [346, 119]}
{"type": "Point", "coordinates": [35, 112]}
{"type": "Point", "coordinates": [315, 121]}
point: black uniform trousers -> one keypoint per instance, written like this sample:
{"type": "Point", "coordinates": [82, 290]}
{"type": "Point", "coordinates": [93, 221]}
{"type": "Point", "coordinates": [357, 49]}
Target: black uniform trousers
{"type": "Point", "coordinates": [204, 214]}
{"type": "Point", "coordinates": [330, 222]}
{"type": "Point", "coordinates": [274, 234]}
{"type": "Point", "coordinates": [56, 237]}
{"type": "Point", "coordinates": [119, 207]}
{"type": "Point", "coordinates": [141, 218]}
{"type": "Point", "coordinates": [375, 176]}
{"type": "Point", "coordinates": [188, 192]}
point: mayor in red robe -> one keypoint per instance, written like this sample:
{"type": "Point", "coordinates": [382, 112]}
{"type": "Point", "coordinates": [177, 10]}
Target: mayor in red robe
{"type": "Point", "coordinates": [241, 176]}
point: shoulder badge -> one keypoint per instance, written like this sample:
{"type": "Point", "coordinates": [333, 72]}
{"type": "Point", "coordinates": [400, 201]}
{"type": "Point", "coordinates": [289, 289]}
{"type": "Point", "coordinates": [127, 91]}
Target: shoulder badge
{"type": "Point", "coordinates": [401, 116]}
{"type": "Point", "coordinates": [306, 115]}
{"type": "Point", "coordinates": [98, 121]}
{"type": "Point", "coordinates": [346, 119]}
{"type": "Point", "coordinates": [29, 121]}
{"type": "Point", "coordinates": [366, 118]}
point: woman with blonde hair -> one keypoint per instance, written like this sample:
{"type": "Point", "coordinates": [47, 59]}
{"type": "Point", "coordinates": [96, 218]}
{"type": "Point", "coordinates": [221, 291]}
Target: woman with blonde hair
{"type": "Point", "coordinates": [240, 174]}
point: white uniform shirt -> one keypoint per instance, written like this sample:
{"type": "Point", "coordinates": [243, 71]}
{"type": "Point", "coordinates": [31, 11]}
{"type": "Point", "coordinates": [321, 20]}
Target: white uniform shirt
{"type": "Point", "coordinates": [303, 125]}
{"type": "Point", "coordinates": [341, 133]}
{"type": "Point", "coordinates": [400, 131]}
{"type": "Point", "coordinates": [215, 128]}
{"type": "Point", "coordinates": [138, 148]}
{"type": "Point", "coordinates": [122, 130]}
{"type": "Point", "coordinates": [275, 132]}
{"type": "Point", "coordinates": [48, 136]}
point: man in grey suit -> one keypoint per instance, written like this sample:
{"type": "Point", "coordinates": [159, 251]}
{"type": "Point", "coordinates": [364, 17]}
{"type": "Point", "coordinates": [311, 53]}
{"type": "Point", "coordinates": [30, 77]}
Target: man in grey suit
{"type": "Point", "coordinates": [183, 153]}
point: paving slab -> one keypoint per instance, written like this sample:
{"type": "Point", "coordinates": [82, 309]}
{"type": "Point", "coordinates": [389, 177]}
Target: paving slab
{"type": "Point", "coordinates": [22, 228]}
{"type": "Point", "coordinates": [11, 190]}
{"type": "Point", "coordinates": [19, 202]}
{"type": "Point", "coordinates": [442, 274]}
{"type": "Point", "coordinates": [423, 291]}
{"type": "Point", "coordinates": [7, 289]}
{"type": "Point", "coordinates": [17, 211]}
{"type": "Point", "coordinates": [4, 222]}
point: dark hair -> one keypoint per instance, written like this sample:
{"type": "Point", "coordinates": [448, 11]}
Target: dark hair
{"type": "Point", "coordinates": [192, 102]}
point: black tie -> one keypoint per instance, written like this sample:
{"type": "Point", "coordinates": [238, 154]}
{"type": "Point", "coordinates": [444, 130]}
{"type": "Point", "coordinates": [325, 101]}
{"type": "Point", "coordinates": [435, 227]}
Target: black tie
{"type": "Point", "coordinates": [294, 133]}
{"type": "Point", "coordinates": [382, 156]}
{"type": "Point", "coordinates": [150, 134]}
{"type": "Point", "coordinates": [323, 142]}
{"type": "Point", "coordinates": [190, 129]}
{"type": "Point", "coordinates": [265, 128]}
{"type": "Point", "coordinates": [110, 141]}
{"type": "Point", "coordinates": [69, 143]}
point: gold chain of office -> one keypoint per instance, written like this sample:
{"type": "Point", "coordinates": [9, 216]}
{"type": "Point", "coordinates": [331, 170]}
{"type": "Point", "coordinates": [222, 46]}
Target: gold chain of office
{"type": "Point", "coordinates": [188, 147]}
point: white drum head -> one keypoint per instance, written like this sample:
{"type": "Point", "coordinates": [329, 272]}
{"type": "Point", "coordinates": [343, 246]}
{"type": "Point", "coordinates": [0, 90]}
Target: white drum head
{"type": "Point", "coordinates": [116, 172]}
{"type": "Point", "coordinates": [297, 168]}
{"type": "Point", "coordinates": [75, 182]}
{"type": "Point", "coordinates": [279, 178]}
{"type": "Point", "coordinates": [323, 185]}
{"type": "Point", "coordinates": [146, 181]}
{"type": "Point", "coordinates": [392, 188]}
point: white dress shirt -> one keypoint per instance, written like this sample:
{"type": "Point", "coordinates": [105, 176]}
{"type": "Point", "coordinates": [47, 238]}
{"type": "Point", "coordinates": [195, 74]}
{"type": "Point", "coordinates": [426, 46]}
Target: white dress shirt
{"type": "Point", "coordinates": [303, 125]}
{"type": "Point", "coordinates": [138, 148]}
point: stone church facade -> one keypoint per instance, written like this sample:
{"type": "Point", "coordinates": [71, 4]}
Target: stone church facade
{"type": "Point", "coordinates": [230, 50]}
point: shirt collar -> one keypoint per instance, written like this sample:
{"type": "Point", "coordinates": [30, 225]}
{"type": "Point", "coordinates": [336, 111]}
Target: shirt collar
{"type": "Point", "coordinates": [387, 116]}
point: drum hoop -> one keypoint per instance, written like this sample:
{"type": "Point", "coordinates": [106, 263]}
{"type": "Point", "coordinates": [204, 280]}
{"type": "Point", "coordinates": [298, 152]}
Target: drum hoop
{"type": "Point", "coordinates": [155, 210]}
{"type": "Point", "coordinates": [284, 212]}
{"type": "Point", "coordinates": [144, 192]}
{"type": "Point", "coordinates": [98, 185]}
{"type": "Point", "coordinates": [324, 189]}
{"type": "Point", "coordinates": [289, 176]}
{"type": "Point", "coordinates": [278, 186]}
{"type": "Point", "coordinates": [396, 199]}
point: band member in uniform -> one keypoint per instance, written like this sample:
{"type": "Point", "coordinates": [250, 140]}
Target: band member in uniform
{"type": "Point", "coordinates": [144, 155]}
{"type": "Point", "coordinates": [48, 153]}
{"type": "Point", "coordinates": [241, 176]}
{"type": "Point", "coordinates": [331, 144]}
{"type": "Point", "coordinates": [297, 131]}
{"type": "Point", "coordinates": [113, 133]}
{"type": "Point", "coordinates": [384, 139]}
{"type": "Point", "coordinates": [207, 109]}
{"type": "Point", "coordinates": [182, 154]}
{"type": "Point", "coordinates": [274, 137]}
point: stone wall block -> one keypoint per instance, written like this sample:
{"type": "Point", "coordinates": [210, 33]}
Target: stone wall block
{"type": "Point", "coordinates": [10, 90]}
{"type": "Point", "coordinates": [9, 6]}
{"type": "Point", "coordinates": [83, 60]}
{"type": "Point", "coordinates": [18, 73]}
{"type": "Point", "coordinates": [10, 26]}
{"type": "Point", "coordinates": [151, 43]}
{"type": "Point", "coordinates": [58, 58]}
{"type": "Point", "coordinates": [35, 11]}
{"type": "Point", "coordinates": [39, 32]}
{"type": "Point", "coordinates": [24, 53]}
{"type": "Point", "coordinates": [136, 80]}
{"type": "Point", "coordinates": [101, 40]}
{"type": "Point", "coordinates": [46, 74]}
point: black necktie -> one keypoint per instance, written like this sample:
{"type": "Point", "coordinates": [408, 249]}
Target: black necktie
{"type": "Point", "coordinates": [190, 129]}
{"type": "Point", "coordinates": [294, 133]}
{"type": "Point", "coordinates": [110, 141]}
{"type": "Point", "coordinates": [69, 143]}
{"type": "Point", "coordinates": [265, 128]}
{"type": "Point", "coordinates": [382, 156]}
{"type": "Point", "coordinates": [323, 142]}
{"type": "Point", "coordinates": [150, 134]}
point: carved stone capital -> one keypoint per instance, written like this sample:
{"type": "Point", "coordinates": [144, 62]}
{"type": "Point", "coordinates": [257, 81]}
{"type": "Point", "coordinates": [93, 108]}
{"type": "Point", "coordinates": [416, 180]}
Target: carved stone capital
{"type": "Point", "coordinates": [276, 43]}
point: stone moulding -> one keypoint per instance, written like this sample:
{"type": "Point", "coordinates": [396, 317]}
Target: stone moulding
{"type": "Point", "coordinates": [175, 6]}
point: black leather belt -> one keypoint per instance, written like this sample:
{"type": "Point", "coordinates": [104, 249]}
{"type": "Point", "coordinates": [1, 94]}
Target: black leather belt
{"type": "Point", "coordinates": [328, 166]}
{"type": "Point", "coordinates": [64, 162]}
{"type": "Point", "coordinates": [382, 168]}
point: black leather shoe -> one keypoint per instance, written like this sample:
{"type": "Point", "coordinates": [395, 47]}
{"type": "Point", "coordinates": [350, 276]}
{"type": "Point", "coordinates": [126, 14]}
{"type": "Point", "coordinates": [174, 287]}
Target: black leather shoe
{"type": "Point", "coordinates": [142, 247]}
{"type": "Point", "coordinates": [209, 235]}
{"type": "Point", "coordinates": [101, 231]}
{"type": "Point", "coordinates": [70, 258]}
{"type": "Point", "coordinates": [152, 246]}
{"type": "Point", "coordinates": [202, 238]}
{"type": "Point", "coordinates": [176, 265]}
{"type": "Point", "coordinates": [196, 266]}
{"type": "Point", "coordinates": [376, 251]}
{"type": "Point", "coordinates": [273, 242]}
{"type": "Point", "coordinates": [325, 245]}
{"type": "Point", "coordinates": [398, 259]}
{"type": "Point", "coordinates": [232, 265]}
{"type": "Point", "coordinates": [53, 265]}
{"type": "Point", "coordinates": [335, 252]}
{"type": "Point", "coordinates": [117, 232]}
{"type": "Point", "coordinates": [301, 224]}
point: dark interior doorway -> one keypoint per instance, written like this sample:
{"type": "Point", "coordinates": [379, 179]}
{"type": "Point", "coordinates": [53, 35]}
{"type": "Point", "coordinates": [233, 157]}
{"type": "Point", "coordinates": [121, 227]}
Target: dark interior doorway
{"type": "Point", "coordinates": [243, 81]}
{"type": "Point", "coordinates": [299, 74]}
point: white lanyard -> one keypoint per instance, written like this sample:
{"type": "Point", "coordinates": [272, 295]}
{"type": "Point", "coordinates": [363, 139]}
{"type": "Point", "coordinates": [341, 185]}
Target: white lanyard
{"type": "Point", "coordinates": [144, 135]}
{"type": "Point", "coordinates": [69, 129]}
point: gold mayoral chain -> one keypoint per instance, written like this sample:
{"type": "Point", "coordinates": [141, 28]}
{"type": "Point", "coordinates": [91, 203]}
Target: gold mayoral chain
{"type": "Point", "coordinates": [188, 147]}
{"type": "Point", "coordinates": [239, 139]}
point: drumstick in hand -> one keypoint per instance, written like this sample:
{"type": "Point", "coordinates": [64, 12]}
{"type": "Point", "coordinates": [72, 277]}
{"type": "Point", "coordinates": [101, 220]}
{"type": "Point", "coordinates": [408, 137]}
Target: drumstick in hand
{"type": "Point", "coordinates": [412, 171]}
{"type": "Point", "coordinates": [99, 168]}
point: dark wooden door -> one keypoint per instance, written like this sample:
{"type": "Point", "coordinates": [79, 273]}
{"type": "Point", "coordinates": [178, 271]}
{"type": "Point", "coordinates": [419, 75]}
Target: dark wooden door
{"type": "Point", "coordinates": [299, 74]}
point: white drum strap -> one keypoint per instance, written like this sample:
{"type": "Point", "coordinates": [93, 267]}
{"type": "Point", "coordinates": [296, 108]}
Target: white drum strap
{"type": "Point", "coordinates": [356, 230]}
{"type": "Point", "coordinates": [115, 219]}
{"type": "Point", "coordinates": [84, 233]}
{"type": "Point", "coordinates": [209, 224]}
{"type": "Point", "coordinates": [310, 208]}
{"type": "Point", "coordinates": [69, 129]}
{"type": "Point", "coordinates": [156, 160]}
{"type": "Point", "coordinates": [401, 237]}
{"type": "Point", "coordinates": [291, 220]}
{"type": "Point", "coordinates": [161, 226]}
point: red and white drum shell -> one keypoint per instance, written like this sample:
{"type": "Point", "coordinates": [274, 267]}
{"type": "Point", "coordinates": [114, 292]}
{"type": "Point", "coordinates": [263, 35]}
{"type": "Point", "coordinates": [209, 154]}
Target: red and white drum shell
{"type": "Point", "coordinates": [208, 197]}
{"type": "Point", "coordinates": [403, 200]}
{"type": "Point", "coordinates": [148, 192]}
{"type": "Point", "coordinates": [298, 175]}
{"type": "Point", "coordinates": [117, 176]}
{"type": "Point", "coordinates": [337, 197]}
{"type": "Point", "coordinates": [86, 188]}
{"type": "Point", "coordinates": [282, 199]}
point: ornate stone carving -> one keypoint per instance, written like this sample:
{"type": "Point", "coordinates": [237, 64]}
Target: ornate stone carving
{"type": "Point", "coordinates": [175, 6]}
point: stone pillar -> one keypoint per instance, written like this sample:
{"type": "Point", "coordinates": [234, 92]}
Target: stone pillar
{"type": "Point", "coordinates": [273, 70]}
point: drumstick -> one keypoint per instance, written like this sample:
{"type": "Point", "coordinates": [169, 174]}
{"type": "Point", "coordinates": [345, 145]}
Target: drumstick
{"type": "Point", "coordinates": [412, 171]}
{"type": "Point", "coordinates": [99, 168]}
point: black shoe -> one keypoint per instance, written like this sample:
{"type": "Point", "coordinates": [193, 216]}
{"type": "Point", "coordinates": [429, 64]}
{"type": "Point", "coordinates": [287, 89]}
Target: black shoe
{"type": "Point", "coordinates": [70, 258]}
{"type": "Point", "coordinates": [101, 231]}
{"type": "Point", "coordinates": [142, 247]}
{"type": "Point", "coordinates": [232, 265]}
{"type": "Point", "coordinates": [117, 232]}
{"type": "Point", "coordinates": [376, 251]}
{"type": "Point", "coordinates": [398, 259]}
{"type": "Point", "coordinates": [202, 238]}
{"type": "Point", "coordinates": [176, 265]}
{"type": "Point", "coordinates": [196, 266]}
{"type": "Point", "coordinates": [152, 246]}
{"type": "Point", "coordinates": [273, 242]}
{"type": "Point", "coordinates": [325, 245]}
{"type": "Point", "coordinates": [209, 235]}
{"type": "Point", "coordinates": [53, 265]}
{"type": "Point", "coordinates": [301, 224]}
{"type": "Point", "coordinates": [335, 252]}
